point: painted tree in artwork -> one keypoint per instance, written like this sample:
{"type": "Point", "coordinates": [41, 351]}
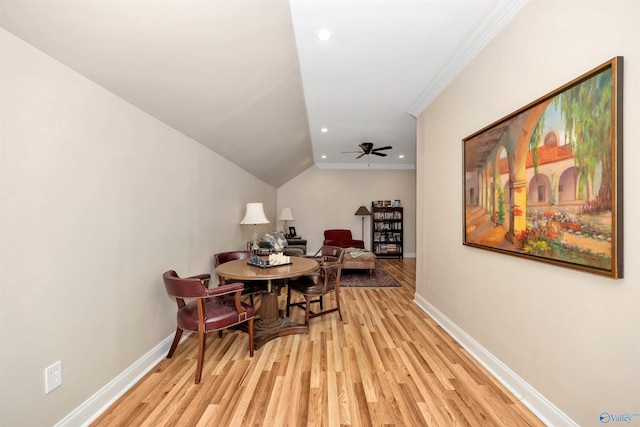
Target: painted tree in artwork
{"type": "Point", "coordinates": [586, 111]}
{"type": "Point", "coordinates": [534, 142]}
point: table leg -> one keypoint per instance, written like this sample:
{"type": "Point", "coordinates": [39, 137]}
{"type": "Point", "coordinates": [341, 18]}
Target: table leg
{"type": "Point", "coordinates": [271, 323]}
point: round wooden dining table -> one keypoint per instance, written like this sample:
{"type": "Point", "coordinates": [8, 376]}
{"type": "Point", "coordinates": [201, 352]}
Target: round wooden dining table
{"type": "Point", "coordinates": [271, 322]}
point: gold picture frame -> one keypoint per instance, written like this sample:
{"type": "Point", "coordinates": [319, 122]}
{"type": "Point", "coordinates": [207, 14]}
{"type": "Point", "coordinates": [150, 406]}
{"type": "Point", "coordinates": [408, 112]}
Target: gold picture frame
{"type": "Point", "coordinates": [545, 182]}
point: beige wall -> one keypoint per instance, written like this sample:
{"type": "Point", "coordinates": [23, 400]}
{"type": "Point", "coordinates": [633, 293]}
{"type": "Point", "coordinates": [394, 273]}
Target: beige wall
{"type": "Point", "coordinates": [98, 199]}
{"type": "Point", "coordinates": [322, 199]}
{"type": "Point", "coordinates": [574, 337]}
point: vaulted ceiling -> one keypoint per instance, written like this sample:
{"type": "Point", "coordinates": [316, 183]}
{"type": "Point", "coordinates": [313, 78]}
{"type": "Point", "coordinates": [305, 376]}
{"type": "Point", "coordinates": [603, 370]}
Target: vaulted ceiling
{"type": "Point", "coordinates": [251, 80]}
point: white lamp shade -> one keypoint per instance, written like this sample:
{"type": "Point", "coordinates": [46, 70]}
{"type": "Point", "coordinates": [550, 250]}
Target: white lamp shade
{"type": "Point", "coordinates": [286, 215]}
{"type": "Point", "coordinates": [254, 214]}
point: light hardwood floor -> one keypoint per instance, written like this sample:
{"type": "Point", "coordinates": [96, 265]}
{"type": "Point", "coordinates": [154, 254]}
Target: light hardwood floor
{"type": "Point", "coordinates": [386, 364]}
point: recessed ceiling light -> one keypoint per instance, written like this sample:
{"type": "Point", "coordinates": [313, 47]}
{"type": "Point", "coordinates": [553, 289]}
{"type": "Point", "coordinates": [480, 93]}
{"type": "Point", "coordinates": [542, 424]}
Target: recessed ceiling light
{"type": "Point", "coordinates": [324, 156]}
{"type": "Point", "coordinates": [324, 34]}
{"type": "Point", "coordinates": [401, 156]}
{"type": "Point", "coordinates": [324, 130]}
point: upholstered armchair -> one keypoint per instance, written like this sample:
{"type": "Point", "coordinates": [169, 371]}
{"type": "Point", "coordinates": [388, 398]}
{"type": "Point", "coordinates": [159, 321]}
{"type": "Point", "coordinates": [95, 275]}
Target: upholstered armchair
{"type": "Point", "coordinates": [341, 238]}
{"type": "Point", "coordinates": [202, 310]}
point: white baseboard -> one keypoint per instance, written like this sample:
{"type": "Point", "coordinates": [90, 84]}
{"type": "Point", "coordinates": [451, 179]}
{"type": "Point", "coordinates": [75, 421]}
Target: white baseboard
{"type": "Point", "coordinates": [536, 402]}
{"type": "Point", "coordinates": [93, 407]}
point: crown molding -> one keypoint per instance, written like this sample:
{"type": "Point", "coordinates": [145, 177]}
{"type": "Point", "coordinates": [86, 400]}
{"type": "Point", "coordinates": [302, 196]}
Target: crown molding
{"type": "Point", "coordinates": [494, 21]}
{"type": "Point", "coordinates": [363, 166]}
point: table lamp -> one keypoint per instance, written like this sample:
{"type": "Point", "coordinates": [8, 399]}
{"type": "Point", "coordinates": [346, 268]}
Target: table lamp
{"type": "Point", "coordinates": [285, 215]}
{"type": "Point", "coordinates": [254, 215]}
{"type": "Point", "coordinates": [363, 211]}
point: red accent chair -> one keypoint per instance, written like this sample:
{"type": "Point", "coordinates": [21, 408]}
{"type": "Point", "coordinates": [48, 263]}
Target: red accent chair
{"type": "Point", "coordinates": [209, 310]}
{"type": "Point", "coordinates": [342, 239]}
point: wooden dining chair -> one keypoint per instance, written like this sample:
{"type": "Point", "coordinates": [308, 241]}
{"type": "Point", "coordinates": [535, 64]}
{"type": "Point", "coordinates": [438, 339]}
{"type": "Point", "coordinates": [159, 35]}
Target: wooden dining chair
{"type": "Point", "coordinates": [208, 310]}
{"type": "Point", "coordinates": [318, 284]}
{"type": "Point", "coordinates": [326, 253]}
{"type": "Point", "coordinates": [251, 287]}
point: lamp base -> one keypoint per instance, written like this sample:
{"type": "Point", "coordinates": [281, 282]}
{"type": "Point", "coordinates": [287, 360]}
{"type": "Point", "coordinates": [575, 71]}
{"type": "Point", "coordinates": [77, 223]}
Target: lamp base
{"type": "Point", "coordinates": [254, 239]}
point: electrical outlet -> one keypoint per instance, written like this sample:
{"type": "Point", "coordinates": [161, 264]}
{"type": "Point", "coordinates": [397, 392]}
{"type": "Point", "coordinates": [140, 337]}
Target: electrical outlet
{"type": "Point", "coordinates": [53, 377]}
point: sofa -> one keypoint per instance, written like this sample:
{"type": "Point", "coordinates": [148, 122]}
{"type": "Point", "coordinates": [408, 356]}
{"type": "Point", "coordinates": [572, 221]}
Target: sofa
{"type": "Point", "coordinates": [297, 244]}
{"type": "Point", "coordinates": [277, 242]}
{"type": "Point", "coordinates": [341, 238]}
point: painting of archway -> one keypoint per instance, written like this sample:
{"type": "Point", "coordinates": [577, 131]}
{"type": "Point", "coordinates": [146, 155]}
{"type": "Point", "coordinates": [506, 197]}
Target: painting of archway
{"type": "Point", "coordinates": [545, 182]}
{"type": "Point", "coordinates": [567, 185]}
{"type": "Point", "coordinates": [539, 191]}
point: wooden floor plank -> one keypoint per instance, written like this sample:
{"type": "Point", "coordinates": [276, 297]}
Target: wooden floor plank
{"type": "Point", "coordinates": [386, 364]}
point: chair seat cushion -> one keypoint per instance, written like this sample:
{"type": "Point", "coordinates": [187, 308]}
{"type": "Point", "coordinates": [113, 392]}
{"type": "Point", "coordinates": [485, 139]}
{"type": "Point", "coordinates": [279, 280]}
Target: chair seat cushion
{"type": "Point", "coordinates": [310, 284]}
{"type": "Point", "coordinates": [220, 313]}
{"type": "Point", "coordinates": [295, 251]}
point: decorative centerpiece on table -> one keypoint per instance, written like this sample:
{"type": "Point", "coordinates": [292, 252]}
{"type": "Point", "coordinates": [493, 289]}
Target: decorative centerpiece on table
{"type": "Point", "coordinates": [279, 259]}
{"type": "Point", "coordinates": [272, 261]}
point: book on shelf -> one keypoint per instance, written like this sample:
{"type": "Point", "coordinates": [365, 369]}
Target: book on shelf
{"type": "Point", "coordinates": [385, 203]}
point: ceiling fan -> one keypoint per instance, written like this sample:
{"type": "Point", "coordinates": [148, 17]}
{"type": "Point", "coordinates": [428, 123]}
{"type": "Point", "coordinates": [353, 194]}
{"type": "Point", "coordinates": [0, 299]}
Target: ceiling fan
{"type": "Point", "coordinates": [367, 148]}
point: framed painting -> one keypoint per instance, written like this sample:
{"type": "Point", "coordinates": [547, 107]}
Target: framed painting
{"type": "Point", "coordinates": [545, 182]}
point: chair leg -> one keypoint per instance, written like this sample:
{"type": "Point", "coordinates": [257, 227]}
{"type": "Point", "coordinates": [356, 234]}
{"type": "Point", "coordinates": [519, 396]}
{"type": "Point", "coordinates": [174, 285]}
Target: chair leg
{"type": "Point", "coordinates": [288, 300]}
{"type": "Point", "coordinates": [251, 337]}
{"type": "Point", "coordinates": [201, 341]}
{"type": "Point", "coordinates": [321, 307]}
{"type": "Point", "coordinates": [338, 302]}
{"type": "Point", "coordinates": [307, 309]}
{"type": "Point", "coordinates": [251, 299]}
{"type": "Point", "coordinates": [174, 344]}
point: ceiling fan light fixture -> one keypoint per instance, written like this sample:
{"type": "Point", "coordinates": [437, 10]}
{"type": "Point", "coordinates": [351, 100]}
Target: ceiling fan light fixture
{"type": "Point", "coordinates": [324, 34]}
{"type": "Point", "coordinates": [367, 148]}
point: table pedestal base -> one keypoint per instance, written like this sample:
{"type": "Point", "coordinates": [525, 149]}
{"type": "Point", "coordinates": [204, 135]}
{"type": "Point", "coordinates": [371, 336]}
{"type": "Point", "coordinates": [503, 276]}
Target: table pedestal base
{"type": "Point", "coordinates": [270, 322]}
{"type": "Point", "coordinates": [265, 331]}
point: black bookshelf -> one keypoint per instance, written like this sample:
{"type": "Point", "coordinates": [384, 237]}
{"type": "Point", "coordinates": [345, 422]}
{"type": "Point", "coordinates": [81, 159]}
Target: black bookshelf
{"type": "Point", "coordinates": [387, 231]}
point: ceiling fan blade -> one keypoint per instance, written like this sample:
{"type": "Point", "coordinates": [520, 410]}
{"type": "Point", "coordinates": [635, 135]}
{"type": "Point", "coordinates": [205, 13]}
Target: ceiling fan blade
{"type": "Point", "coordinates": [379, 154]}
{"type": "Point", "coordinates": [347, 152]}
{"type": "Point", "coordinates": [361, 155]}
{"type": "Point", "coordinates": [388, 147]}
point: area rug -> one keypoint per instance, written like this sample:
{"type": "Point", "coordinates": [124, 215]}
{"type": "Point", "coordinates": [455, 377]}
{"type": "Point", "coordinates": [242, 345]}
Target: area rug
{"type": "Point", "coordinates": [360, 278]}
